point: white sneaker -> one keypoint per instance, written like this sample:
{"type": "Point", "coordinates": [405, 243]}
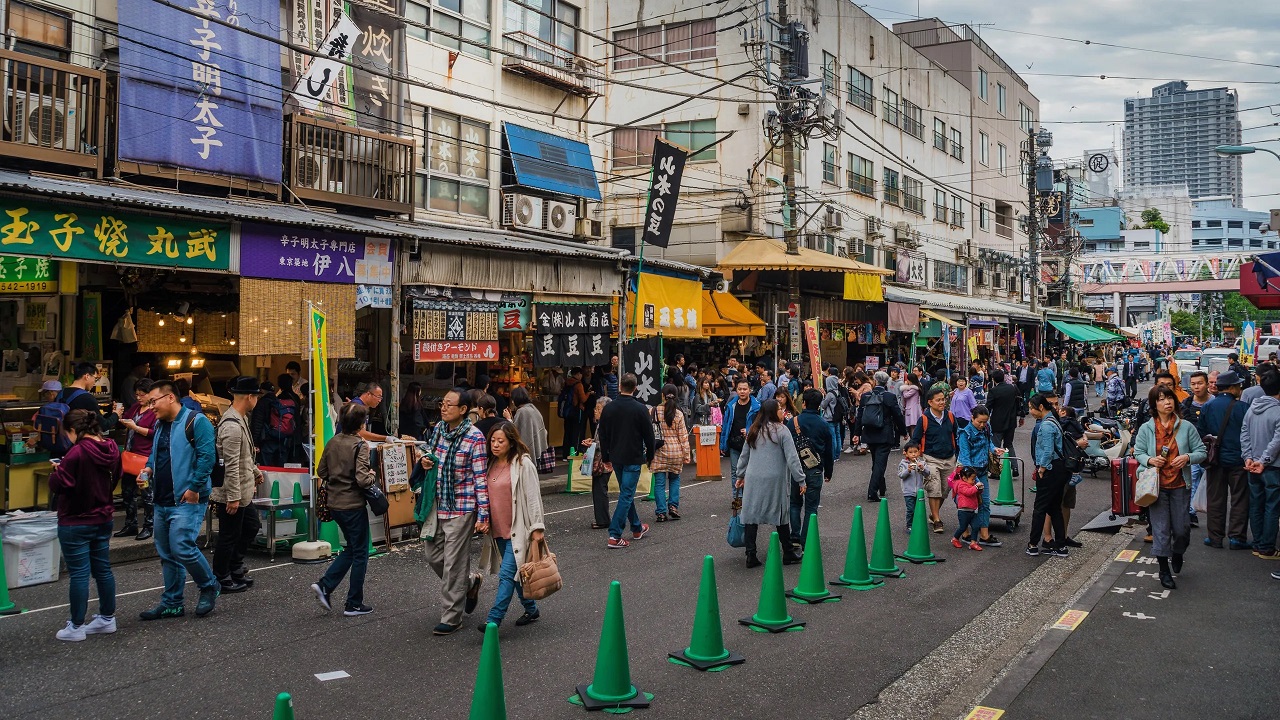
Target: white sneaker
{"type": "Point", "coordinates": [100, 625]}
{"type": "Point", "coordinates": [72, 632]}
{"type": "Point", "coordinates": [849, 450]}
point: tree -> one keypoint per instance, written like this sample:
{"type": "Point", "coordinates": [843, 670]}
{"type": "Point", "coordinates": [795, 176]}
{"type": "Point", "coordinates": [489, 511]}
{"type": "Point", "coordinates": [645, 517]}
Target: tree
{"type": "Point", "coordinates": [1151, 218]}
{"type": "Point", "coordinates": [1185, 323]}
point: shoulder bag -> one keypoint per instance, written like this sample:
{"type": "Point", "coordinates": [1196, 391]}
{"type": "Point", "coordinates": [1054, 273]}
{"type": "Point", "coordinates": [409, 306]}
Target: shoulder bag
{"type": "Point", "coordinates": [540, 576]}
{"type": "Point", "coordinates": [1146, 489]}
{"type": "Point", "coordinates": [737, 535]}
{"type": "Point", "coordinates": [1213, 443]}
{"type": "Point", "coordinates": [804, 448]}
{"type": "Point", "coordinates": [374, 497]}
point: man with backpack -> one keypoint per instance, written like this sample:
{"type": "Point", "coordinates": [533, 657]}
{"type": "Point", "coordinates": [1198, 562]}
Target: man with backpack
{"type": "Point", "coordinates": [48, 419]}
{"type": "Point", "coordinates": [278, 429]}
{"type": "Point", "coordinates": [879, 423]}
{"type": "Point", "coordinates": [833, 411]}
{"type": "Point", "coordinates": [935, 434]}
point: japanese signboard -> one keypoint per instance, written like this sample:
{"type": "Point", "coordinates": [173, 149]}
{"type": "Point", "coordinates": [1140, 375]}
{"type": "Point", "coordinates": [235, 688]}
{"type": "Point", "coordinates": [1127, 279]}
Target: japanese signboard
{"type": "Point", "coordinates": [288, 253]}
{"type": "Point", "coordinates": [910, 269]}
{"type": "Point", "coordinates": [374, 296]}
{"type": "Point", "coordinates": [667, 306]}
{"type": "Point", "coordinates": [324, 70]}
{"type": "Point", "coordinates": [573, 319]}
{"type": "Point", "coordinates": [815, 350]}
{"type": "Point", "coordinates": [455, 329]}
{"type": "Point", "coordinates": [377, 54]}
{"type": "Point", "coordinates": [644, 360]}
{"type": "Point", "coordinates": [571, 335]}
{"type": "Point", "coordinates": [664, 191]}
{"type": "Point", "coordinates": [793, 331]}
{"type": "Point", "coordinates": [568, 351]}
{"type": "Point", "coordinates": [515, 312]}
{"type": "Point", "coordinates": [26, 275]}
{"type": "Point", "coordinates": [73, 233]}
{"type": "Point", "coordinates": [197, 94]}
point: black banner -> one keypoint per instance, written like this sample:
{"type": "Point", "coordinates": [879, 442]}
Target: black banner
{"type": "Point", "coordinates": [643, 357]}
{"type": "Point", "coordinates": [380, 49]}
{"type": "Point", "coordinates": [567, 351]}
{"type": "Point", "coordinates": [454, 319]}
{"type": "Point", "coordinates": [574, 319]}
{"type": "Point", "coordinates": [664, 190]}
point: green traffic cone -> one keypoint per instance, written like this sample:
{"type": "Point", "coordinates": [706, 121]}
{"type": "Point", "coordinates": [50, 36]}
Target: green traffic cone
{"type": "Point", "coordinates": [300, 513]}
{"type": "Point", "coordinates": [882, 557]}
{"type": "Point", "coordinates": [1004, 494]}
{"type": "Point", "coordinates": [918, 550]}
{"type": "Point", "coordinates": [855, 573]}
{"type": "Point", "coordinates": [611, 686]}
{"type": "Point", "coordinates": [6, 605]}
{"type": "Point", "coordinates": [812, 587]}
{"type": "Point", "coordinates": [330, 533]}
{"type": "Point", "coordinates": [373, 550]}
{"type": "Point", "coordinates": [771, 612]}
{"type": "Point", "coordinates": [489, 702]}
{"type": "Point", "coordinates": [706, 649]}
{"type": "Point", "coordinates": [284, 707]}
{"type": "Point", "coordinates": [568, 478]}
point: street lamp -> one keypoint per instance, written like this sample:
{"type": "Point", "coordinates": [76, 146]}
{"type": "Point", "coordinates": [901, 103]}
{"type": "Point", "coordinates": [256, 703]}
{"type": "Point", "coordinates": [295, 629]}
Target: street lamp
{"type": "Point", "coordinates": [1230, 150]}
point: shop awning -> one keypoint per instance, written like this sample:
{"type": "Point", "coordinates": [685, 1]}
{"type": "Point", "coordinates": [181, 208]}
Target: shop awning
{"type": "Point", "coordinates": [940, 318]}
{"type": "Point", "coordinates": [549, 162]}
{"type": "Point", "coordinates": [724, 315]}
{"type": "Point", "coordinates": [761, 253]}
{"type": "Point", "coordinates": [1083, 333]}
{"type": "Point", "coordinates": [986, 307]}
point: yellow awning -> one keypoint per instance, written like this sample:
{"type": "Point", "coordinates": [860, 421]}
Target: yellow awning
{"type": "Point", "coordinates": [760, 253]}
{"type": "Point", "coordinates": [725, 315]}
{"type": "Point", "coordinates": [864, 287]}
{"type": "Point", "coordinates": [940, 318]}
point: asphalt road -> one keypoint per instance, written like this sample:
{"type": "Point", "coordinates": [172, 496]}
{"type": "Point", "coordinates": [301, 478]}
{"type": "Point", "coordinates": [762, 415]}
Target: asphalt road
{"type": "Point", "coordinates": [276, 638]}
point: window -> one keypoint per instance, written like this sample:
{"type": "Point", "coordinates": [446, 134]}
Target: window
{"type": "Point", "coordinates": [1235, 224]}
{"type": "Point", "coordinates": [672, 42]}
{"type": "Point", "coordinates": [830, 163]}
{"type": "Point", "coordinates": [891, 186]}
{"type": "Point", "coordinates": [1196, 223]}
{"type": "Point", "coordinates": [1002, 156]}
{"type": "Point", "coordinates": [40, 32]}
{"type": "Point", "coordinates": [913, 195]}
{"type": "Point", "coordinates": [984, 149]}
{"type": "Point", "coordinates": [1139, 245]}
{"type": "Point", "coordinates": [957, 214]}
{"type": "Point", "coordinates": [984, 216]}
{"type": "Point", "coordinates": [912, 119]}
{"type": "Point", "coordinates": [1215, 223]}
{"type": "Point", "coordinates": [982, 85]}
{"type": "Point", "coordinates": [625, 238]}
{"type": "Point", "coordinates": [634, 146]}
{"type": "Point", "coordinates": [829, 81]}
{"type": "Point", "coordinates": [1235, 243]}
{"type": "Point", "coordinates": [529, 32]}
{"type": "Point", "coordinates": [939, 206]}
{"type": "Point", "coordinates": [1255, 242]}
{"type": "Point", "coordinates": [1253, 225]}
{"type": "Point", "coordinates": [1085, 222]}
{"type": "Point", "coordinates": [1025, 119]}
{"type": "Point", "coordinates": [861, 91]}
{"type": "Point", "coordinates": [453, 165]}
{"type": "Point", "coordinates": [949, 276]}
{"type": "Point", "coordinates": [862, 175]}
{"type": "Point", "coordinates": [891, 112]}
{"type": "Point", "coordinates": [939, 134]}
{"type": "Point", "coordinates": [957, 144]}
{"type": "Point", "coordinates": [468, 18]}
{"type": "Point", "coordinates": [1000, 99]}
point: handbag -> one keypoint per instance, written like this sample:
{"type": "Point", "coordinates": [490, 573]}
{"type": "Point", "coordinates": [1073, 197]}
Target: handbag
{"type": "Point", "coordinates": [546, 460]}
{"type": "Point", "coordinates": [658, 440]}
{"type": "Point", "coordinates": [1146, 489]}
{"type": "Point", "coordinates": [1212, 443]}
{"type": "Point", "coordinates": [1200, 498]}
{"type": "Point", "coordinates": [995, 465]}
{"type": "Point", "coordinates": [322, 502]}
{"type": "Point", "coordinates": [737, 534]}
{"type": "Point", "coordinates": [809, 457]}
{"type": "Point", "coordinates": [132, 463]}
{"type": "Point", "coordinates": [540, 576]}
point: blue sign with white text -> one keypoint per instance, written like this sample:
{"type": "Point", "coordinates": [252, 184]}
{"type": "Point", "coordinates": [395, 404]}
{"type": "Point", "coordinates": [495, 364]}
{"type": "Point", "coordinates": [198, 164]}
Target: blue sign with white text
{"type": "Point", "coordinates": [197, 94]}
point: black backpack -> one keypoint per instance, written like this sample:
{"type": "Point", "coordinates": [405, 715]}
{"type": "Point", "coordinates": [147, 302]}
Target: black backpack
{"type": "Point", "coordinates": [1073, 458]}
{"type": "Point", "coordinates": [873, 410]}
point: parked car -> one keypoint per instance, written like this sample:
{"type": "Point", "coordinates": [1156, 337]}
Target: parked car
{"type": "Point", "coordinates": [1268, 344]}
{"type": "Point", "coordinates": [1188, 360]}
{"type": "Point", "coordinates": [1215, 359]}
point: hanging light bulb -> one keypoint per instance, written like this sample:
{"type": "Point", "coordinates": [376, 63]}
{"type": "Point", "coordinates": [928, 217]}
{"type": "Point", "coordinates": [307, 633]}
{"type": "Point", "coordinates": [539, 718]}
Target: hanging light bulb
{"type": "Point", "coordinates": [161, 322]}
{"type": "Point", "coordinates": [190, 319]}
{"type": "Point", "coordinates": [183, 337]}
{"type": "Point", "coordinates": [232, 341]}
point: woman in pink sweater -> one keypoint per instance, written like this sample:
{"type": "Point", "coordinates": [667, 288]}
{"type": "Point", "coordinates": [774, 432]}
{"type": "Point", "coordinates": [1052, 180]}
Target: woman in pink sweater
{"type": "Point", "coordinates": [968, 494]}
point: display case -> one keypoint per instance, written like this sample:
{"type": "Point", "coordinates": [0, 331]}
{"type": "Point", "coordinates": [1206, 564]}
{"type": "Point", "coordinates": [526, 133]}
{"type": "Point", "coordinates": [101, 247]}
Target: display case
{"type": "Point", "coordinates": [20, 460]}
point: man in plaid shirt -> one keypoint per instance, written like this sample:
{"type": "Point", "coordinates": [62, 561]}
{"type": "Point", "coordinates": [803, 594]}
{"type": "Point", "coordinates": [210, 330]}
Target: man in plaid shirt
{"type": "Point", "coordinates": [461, 507]}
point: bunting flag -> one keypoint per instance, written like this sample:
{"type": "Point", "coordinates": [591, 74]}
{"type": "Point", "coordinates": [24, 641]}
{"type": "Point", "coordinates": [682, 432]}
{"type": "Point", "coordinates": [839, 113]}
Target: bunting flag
{"type": "Point", "coordinates": [1182, 269]}
{"type": "Point", "coordinates": [1145, 265]}
{"type": "Point", "coordinates": [1215, 265]}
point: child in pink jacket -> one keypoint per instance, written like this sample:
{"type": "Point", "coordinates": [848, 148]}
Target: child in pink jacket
{"type": "Point", "coordinates": [968, 495]}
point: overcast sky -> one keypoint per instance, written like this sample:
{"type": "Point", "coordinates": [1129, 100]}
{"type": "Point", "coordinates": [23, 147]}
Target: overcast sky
{"type": "Point", "coordinates": [1234, 34]}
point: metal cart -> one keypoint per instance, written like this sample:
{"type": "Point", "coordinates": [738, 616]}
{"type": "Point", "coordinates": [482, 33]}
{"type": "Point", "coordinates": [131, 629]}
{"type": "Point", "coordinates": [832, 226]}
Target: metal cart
{"type": "Point", "coordinates": [1012, 514]}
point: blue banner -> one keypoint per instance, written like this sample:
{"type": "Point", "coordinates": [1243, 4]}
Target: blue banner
{"type": "Point", "coordinates": [197, 94]}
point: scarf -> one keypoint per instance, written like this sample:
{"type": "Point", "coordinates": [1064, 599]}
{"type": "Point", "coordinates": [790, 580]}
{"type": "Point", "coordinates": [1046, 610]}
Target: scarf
{"type": "Point", "coordinates": [1170, 478]}
{"type": "Point", "coordinates": [448, 467]}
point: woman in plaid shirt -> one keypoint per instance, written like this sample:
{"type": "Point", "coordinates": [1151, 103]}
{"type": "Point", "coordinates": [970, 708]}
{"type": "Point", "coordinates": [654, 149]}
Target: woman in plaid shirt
{"type": "Point", "coordinates": [671, 456]}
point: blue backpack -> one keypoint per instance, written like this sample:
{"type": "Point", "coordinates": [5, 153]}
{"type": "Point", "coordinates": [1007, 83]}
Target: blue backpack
{"type": "Point", "coordinates": [48, 423]}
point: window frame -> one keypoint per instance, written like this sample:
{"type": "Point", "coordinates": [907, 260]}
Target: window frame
{"type": "Point", "coordinates": [892, 187]}
{"type": "Point", "coordinates": [425, 169]}
{"type": "Point", "coordinates": [984, 216]}
{"type": "Point", "coordinates": [939, 135]}
{"type": "Point", "coordinates": [41, 48]}
{"type": "Point", "coordinates": [830, 164]}
{"type": "Point", "coordinates": [957, 143]}
{"type": "Point", "coordinates": [862, 98]}
{"type": "Point", "coordinates": [1002, 100]}
{"type": "Point", "coordinates": [431, 9]}
{"type": "Point", "coordinates": [892, 109]}
{"type": "Point", "coordinates": [627, 58]}
{"type": "Point", "coordinates": [912, 202]}
{"type": "Point", "coordinates": [1002, 152]}
{"type": "Point", "coordinates": [912, 119]}
{"type": "Point", "coordinates": [553, 24]}
{"type": "Point", "coordinates": [644, 147]}
{"type": "Point", "coordinates": [984, 149]}
{"type": "Point", "coordinates": [983, 79]}
{"type": "Point", "coordinates": [863, 184]}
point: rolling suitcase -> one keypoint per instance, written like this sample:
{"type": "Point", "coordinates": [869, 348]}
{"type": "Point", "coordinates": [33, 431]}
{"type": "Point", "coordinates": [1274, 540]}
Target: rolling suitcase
{"type": "Point", "coordinates": [1124, 471]}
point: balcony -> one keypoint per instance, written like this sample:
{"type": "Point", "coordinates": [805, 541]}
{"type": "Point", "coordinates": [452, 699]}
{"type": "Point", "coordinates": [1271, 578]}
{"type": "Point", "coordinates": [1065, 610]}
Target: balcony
{"type": "Point", "coordinates": [891, 195]}
{"type": "Point", "coordinates": [53, 112]}
{"type": "Point", "coordinates": [861, 98]}
{"type": "Point", "coordinates": [939, 212]}
{"type": "Point", "coordinates": [957, 218]}
{"type": "Point", "coordinates": [549, 64]}
{"type": "Point", "coordinates": [939, 141]}
{"type": "Point", "coordinates": [342, 165]}
{"type": "Point", "coordinates": [957, 151]}
{"type": "Point", "coordinates": [913, 127]}
{"type": "Point", "coordinates": [861, 184]}
{"type": "Point", "coordinates": [913, 203]}
{"type": "Point", "coordinates": [1004, 231]}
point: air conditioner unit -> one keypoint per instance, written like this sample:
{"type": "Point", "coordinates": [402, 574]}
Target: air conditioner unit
{"type": "Point", "coordinates": [590, 229]}
{"type": "Point", "coordinates": [961, 253]}
{"type": "Point", "coordinates": [722, 286]}
{"type": "Point", "coordinates": [856, 247]}
{"type": "Point", "coordinates": [311, 170]}
{"type": "Point", "coordinates": [834, 221]}
{"type": "Point", "coordinates": [110, 41]}
{"type": "Point", "coordinates": [875, 228]}
{"type": "Point", "coordinates": [842, 248]}
{"type": "Point", "coordinates": [562, 218]}
{"type": "Point", "coordinates": [45, 121]}
{"type": "Point", "coordinates": [522, 211]}
{"type": "Point", "coordinates": [1042, 292]}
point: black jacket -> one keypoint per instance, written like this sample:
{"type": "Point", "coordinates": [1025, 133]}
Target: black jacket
{"type": "Point", "coordinates": [894, 423]}
{"type": "Point", "coordinates": [625, 433]}
{"type": "Point", "coordinates": [1003, 402]}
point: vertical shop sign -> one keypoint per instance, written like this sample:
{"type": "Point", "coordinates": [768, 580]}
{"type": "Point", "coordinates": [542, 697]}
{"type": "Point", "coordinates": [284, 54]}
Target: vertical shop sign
{"type": "Point", "coordinates": [664, 191]}
{"type": "Point", "coordinates": [324, 70]}
{"type": "Point", "coordinates": [322, 427]}
{"type": "Point", "coordinates": [644, 359]}
{"type": "Point", "coordinates": [377, 55]}
{"type": "Point", "coordinates": [815, 350]}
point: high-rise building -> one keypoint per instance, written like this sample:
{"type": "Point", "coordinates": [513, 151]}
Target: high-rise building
{"type": "Point", "coordinates": [1169, 139]}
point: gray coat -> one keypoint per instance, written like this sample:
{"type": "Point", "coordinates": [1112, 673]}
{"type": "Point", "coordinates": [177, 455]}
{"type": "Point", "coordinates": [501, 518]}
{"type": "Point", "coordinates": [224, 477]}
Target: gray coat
{"type": "Point", "coordinates": [765, 469]}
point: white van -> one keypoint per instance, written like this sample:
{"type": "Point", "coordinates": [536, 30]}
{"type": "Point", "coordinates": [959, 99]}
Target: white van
{"type": "Point", "coordinates": [1268, 344]}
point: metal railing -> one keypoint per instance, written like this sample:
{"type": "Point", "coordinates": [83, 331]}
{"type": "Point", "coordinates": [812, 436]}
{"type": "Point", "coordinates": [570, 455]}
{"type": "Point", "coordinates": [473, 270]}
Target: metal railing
{"type": "Point", "coordinates": [891, 195]}
{"type": "Point", "coordinates": [861, 98]}
{"type": "Point", "coordinates": [830, 172]}
{"type": "Point", "coordinates": [348, 166]}
{"type": "Point", "coordinates": [939, 141]}
{"type": "Point", "coordinates": [912, 127]}
{"type": "Point", "coordinates": [891, 113]}
{"type": "Point", "coordinates": [560, 67]}
{"type": "Point", "coordinates": [957, 218]}
{"type": "Point", "coordinates": [53, 112]}
{"type": "Point", "coordinates": [861, 184]}
{"type": "Point", "coordinates": [957, 150]}
{"type": "Point", "coordinates": [913, 203]}
{"type": "Point", "coordinates": [940, 212]}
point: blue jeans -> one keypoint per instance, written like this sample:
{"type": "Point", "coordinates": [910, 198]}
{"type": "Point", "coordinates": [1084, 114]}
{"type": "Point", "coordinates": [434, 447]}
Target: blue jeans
{"type": "Point", "coordinates": [910, 501]}
{"type": "Point", "coordinates": [507, 586]}
{"type": "Point", "coordinates": [1264, 508]}
{"type": "Point", "coordinates": [354, 557]}
{"type": "Point", "coordinates": [966, 520]}
{"type": "Point", "coordinates": [806, 503]}
{"type": "Point", "coordinates": [733, 473]}
{"type": "Point", "coordinates": [625, 510]}
{"type": "Point", "coordinates": [982, 516]}
{"type": "Point", "coordinates": [86, 548]}
{"type": "Point", "coordinates": [837, 441]}
{"type": "Point", "coordinates": [661, 482]}
{"type": "Point", "coordinates": [1098, 387]}
{"type": "Point", "coordinates": [176, 530]}
{"type": "Point", "coordinates": [1197, 474]}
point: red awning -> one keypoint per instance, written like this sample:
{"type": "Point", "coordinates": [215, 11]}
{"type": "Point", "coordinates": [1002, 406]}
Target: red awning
{"type": "Point", "coordinates": [1259, 289]}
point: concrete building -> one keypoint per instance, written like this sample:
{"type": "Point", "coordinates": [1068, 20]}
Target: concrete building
{"type": "Point", "coordinates": [1175, 208]}
{"type": "Point", "coordinates": [1169, 139]}
{"type": "Point", "coordinates": [1217, 226]}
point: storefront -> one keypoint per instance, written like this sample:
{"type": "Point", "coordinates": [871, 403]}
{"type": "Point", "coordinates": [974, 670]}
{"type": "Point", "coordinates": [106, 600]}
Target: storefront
{"type": "Point", "coordinates": [968, 328]}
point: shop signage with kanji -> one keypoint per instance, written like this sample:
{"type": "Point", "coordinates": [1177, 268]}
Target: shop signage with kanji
{"type": "Point", "coordinates": [76, 233]}
{"type": "Point", "coordinates": [666, 305]}
{"type": "Point", "coordinates": [664, 191]}
{"type": "Point", "coordinates": [573, 318]}
{"type": "Point", "coordinates": [910, 269]}
{"type": "Point", "coordinates": [27, 275]}
{"type": "Point", "coordinates": [454, 329]}
{"type": "Point", "coordinates": [516, 312]}
{"type": "Point", "coordinates": [570, 335]}
{"type": "Point", "coordinates": [278, 252]}
{"type": "Point", "coordinates": [643, 357]}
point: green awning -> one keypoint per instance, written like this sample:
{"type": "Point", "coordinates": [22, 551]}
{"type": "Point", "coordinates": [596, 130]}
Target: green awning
{"type": "Point", "coordinates": [1083, 333]}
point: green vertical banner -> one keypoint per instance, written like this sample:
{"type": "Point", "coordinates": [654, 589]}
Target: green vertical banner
{"type": "Point", "coordinates": [322, 422]}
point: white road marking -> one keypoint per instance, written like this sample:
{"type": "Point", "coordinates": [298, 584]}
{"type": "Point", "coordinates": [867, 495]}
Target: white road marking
{"type": "Point", "coordinates": [1147, 560]}
{"type": "Point", "coordinates": [335, 675]}
{"type": "Point", "coordinates": [1139, 616]}
{"type": "Point", "coordinates": [1143, 573]}
{"type": "Point", "coordinates": [1162, 595]}
{"type": "Point", "coordinates": [1121, 591]}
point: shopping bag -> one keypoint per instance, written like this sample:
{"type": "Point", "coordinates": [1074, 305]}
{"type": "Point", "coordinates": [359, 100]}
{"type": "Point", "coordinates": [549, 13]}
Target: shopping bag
{"type": "Point", "coordinates": [1147, 487]}
{"type": "Point", "coordinates": [737, 534]}
{"type": "Point", "coordinates": [1200, 498]}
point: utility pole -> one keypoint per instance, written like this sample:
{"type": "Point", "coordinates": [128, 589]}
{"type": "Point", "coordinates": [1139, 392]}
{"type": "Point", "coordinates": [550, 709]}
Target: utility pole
{"type": "Point", "coordinates": [1033, 222]}
{"type": "Point", "coordinates": [791, 232]}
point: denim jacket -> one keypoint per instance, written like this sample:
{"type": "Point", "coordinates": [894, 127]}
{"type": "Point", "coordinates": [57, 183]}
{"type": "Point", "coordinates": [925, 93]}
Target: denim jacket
{"type": "Point", "coordinates": [190, 465]}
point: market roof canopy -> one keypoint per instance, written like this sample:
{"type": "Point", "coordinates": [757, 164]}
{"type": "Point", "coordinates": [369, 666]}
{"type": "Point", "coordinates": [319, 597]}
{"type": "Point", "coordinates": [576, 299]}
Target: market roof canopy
{"type": "Point", "coordinates": [725, 315]}
{"type": "Point", "coordinates": [925, 313]}
{"type": "Point", "coordinates": [1084, 333]}
{"type": "Point", "coordinates": [761, 253]}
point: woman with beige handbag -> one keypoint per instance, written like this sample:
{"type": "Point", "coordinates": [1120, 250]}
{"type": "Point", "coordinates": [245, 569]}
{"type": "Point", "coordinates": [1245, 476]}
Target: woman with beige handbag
{"type": "Point", "coordinates": [516, 521]}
